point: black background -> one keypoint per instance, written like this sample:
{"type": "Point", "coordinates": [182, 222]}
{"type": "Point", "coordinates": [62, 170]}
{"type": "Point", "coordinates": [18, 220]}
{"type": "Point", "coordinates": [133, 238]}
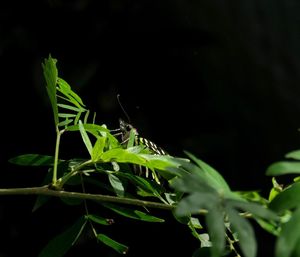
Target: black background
{"type": "Point", "coordinates": [217, 78]}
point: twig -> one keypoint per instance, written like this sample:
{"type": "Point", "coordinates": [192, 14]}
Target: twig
{"type": "Point", "coordinates": [44, 190]}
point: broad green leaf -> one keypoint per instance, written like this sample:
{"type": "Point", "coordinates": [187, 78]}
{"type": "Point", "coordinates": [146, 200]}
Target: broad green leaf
{"type": "Point", "coordinates": [33, 160]}
{"type": "Point", "coordinates": [51, 76]}
{"type": "Point", "coordinates": [133, 214]}
{"type": "Point", "coordinates": [98, 148]}
{"type": "Point", "coordinates": [293, 155]}
{"type": "Point", "coordinates": [254, 208]}
{"type": "Point", "coordinates": [214, 178]}
{"type": "Point", "coordinates": [216, 230]}
{"type": "Point", "coordinates": [192, 182]}
{"type": "Point", "coordinates": [122, 155]}
{"type": "Point", "coordinates": [85, 138]}
{"type": "Point", "coordinates": [135, 149]}
{"type": "Point", "coordinates": [287, 199]}
{"type": "Point", "coordinates": [289, 238]}
{"type": "Point", "coordinates": [160, 162]}
{"type": "Point", "coordinates": [283, 168]}
{"type": "Point", "coordinates": [120, 248]}
{"type": "Point", "coordinates": [117, 185]}
{"type": "Point", "coordinates": [192, 179]}
{"type": "Point", "coordinates": [245, 232]}
{"type": "Point", "coordinates": [59, 245]}
{"type": "Point", "coordinates": [99, 220]}
{"type": "Point", "coordinates": [193, 203]}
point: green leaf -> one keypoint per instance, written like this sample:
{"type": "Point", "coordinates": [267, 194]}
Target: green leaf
{"type": "Point", "coordinates": [122, 155]}
{"type": "Point", "coordinates": [65, 122]}
{"type": "Point", "coordinates": [192, 182]}
{"type": "Point", "coordinates": [214, 178]}
{"type": "Point", "coordinates": [133, 214]}
{"type": "Point", "coordinates": [86, 116]}
{"type": "Point", "coordinates": [293, 155]}
{"type": "Point", "coordinates": [132, 136]}
{"type": "Point", "coordinates": [117, 185]}
{"type": "Point", "coordinates": [148, 186]}
{"type": "Point", "coordinates": [59, 245]}
{"type": "Point", "coordinates": [244, 232]}
{"type": "Point", "coordinates": [287, 199]}
{"type": "Point", "coordinates": [65, 88]}
{"type": "Point", "coordinates": [51, 76]}
{"type": "Point", "coordinates": [256, 209]}
{"type": "Point", "coordinates": [97, 130]}
{"type": "Point", "coordinates": [269, 226]}
{"type": "Point", "coordinates": [120, 248]}
{"type": "Point", "coordinates": [92, 128]}
{"type": "Point", "coordinates": [70, 107]}
{"type": "Point", "coordinates": [283, 168]}
{"type": "Point", "coordinates": [191, 178]}
{"type": "Point", "coordinates": [195, 222]}
{"type": "Point", "coordinates": [216, 230]}
{"type": "Point", "coordinates": [289, 239]}
{"type": "Point", "coordinates": [33, 160]}
{"type": "Point", "coordinates": [99, 220]}
{"type": "Point", "coordinates": [85, 138]}
{"type": "Point", "coordinates": [276, 189]}
{"type": "Point", "coordinates": [160, 162]}
{"type": "Point", "coordinates": [193, 203]}
{"type": "Point", "coordinates": [98, 148]}
{"type": "Point", "coordinates": [66, 115]}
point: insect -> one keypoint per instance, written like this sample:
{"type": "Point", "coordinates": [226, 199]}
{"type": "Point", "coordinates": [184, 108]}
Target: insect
{"type": "Point", "coordinates": [127, 128]}
{"type": "Point", "coordinates": [127, 131]}
{"type": "Point", "coordinates": [130, 136]}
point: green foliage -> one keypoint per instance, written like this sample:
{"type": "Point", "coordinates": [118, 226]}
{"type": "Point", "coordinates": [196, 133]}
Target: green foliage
{"type": "Point", "coordinates": [120, 248]}
{"type": "Point", "coordinates": [32, 160]}
{"type": "Point", "coordinates": [189, 187]}
{"type": "Point", "coordinates": [286, 202]}
{"type": "Point", "coordinates": [59, 245]}
{"type": "Point", "coordinates": [207, 190]}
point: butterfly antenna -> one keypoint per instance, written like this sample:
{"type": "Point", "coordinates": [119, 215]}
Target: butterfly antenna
{"type": "Point", "coordinates": [119, 101]}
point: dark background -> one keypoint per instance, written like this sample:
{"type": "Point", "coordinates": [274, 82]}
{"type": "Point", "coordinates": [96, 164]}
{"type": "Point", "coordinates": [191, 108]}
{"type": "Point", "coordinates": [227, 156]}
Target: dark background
{"type": "Point", "coordinates": [217, 78]}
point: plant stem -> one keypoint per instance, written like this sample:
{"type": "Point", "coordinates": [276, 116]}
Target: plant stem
{"type": "Point", "coordinates": [65, 178]}
{"type": "Point", "coordinates": [58, 135]}
{"type": "Point", "coordinates": [44, 190]}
